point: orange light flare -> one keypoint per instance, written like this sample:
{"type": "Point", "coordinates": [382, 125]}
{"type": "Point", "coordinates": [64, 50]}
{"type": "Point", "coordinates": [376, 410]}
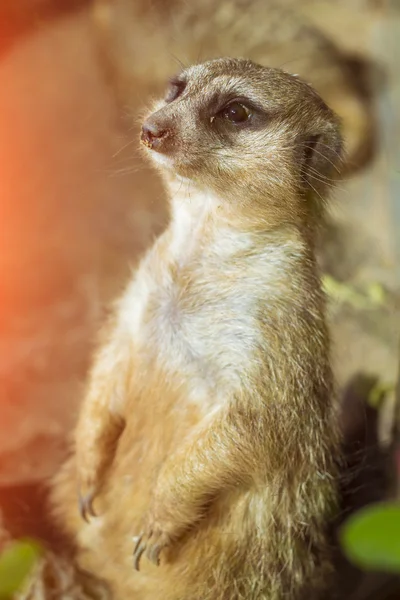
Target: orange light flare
{"type": "Point", "coordinates": [55, 122]}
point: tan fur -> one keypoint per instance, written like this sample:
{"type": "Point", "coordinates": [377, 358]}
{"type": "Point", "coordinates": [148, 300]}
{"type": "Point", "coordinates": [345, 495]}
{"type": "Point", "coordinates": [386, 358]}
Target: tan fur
{"type": "Point", "coordinates": [142, 44]}
{"type": "Point", "coordinates": [214, 376]}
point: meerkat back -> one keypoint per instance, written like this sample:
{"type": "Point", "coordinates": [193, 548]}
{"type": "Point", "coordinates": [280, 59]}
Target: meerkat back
{"type": "Point", "coordinates": [207, 443]}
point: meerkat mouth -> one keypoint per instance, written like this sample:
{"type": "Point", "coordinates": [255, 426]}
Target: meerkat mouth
{"type": "Point", "coordinates": [147, 143]}
{"type": "Point", "coordinates": [167, 163]}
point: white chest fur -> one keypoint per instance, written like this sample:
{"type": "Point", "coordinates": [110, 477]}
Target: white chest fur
{"type": "Point", "coordinates": [194, 305]}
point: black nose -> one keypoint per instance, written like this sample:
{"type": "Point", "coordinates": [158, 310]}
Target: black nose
{"type": "Point", "coordinates": [152, 134]}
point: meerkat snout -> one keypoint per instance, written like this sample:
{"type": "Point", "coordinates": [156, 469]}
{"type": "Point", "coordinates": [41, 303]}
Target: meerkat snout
{"type": "Point", "coordinates": [153, 134]}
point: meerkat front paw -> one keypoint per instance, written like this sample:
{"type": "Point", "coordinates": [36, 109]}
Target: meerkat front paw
{"type": "Point", "coordinates": [92, 464]}
{"type": "Point", "coordinates": [151, 542]}
{"type": "Point", "coordinates": [96, 443]}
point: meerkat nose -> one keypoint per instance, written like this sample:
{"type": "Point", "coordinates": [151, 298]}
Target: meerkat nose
{"type": "Point", "coordinates": [153, 134]}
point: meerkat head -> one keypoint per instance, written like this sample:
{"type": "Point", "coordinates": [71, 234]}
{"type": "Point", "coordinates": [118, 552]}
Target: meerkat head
{"type": "Point", "coordinates": [245, 131]}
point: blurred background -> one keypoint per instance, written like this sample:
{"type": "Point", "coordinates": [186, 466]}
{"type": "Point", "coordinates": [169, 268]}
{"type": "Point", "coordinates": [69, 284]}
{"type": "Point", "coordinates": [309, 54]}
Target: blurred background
{"type": "Point", "coordinates": [78, 205]}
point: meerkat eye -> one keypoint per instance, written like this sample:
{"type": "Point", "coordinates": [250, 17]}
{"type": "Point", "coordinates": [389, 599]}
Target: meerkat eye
{"type": "Point", "coordinates": [176, 87]}
{"type": "Point", "coordinates": [236, 112]}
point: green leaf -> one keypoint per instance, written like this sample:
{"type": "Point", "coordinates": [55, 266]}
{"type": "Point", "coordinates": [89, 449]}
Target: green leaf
{"type": "Point", "coordinates": [371, 537]}
{"type": "Point", "coordinates": [16, 562]}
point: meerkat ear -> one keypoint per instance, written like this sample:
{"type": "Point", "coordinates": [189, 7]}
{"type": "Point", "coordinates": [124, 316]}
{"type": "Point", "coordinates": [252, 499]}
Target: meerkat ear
{"type": "Point", "coordinates": [322, 154]}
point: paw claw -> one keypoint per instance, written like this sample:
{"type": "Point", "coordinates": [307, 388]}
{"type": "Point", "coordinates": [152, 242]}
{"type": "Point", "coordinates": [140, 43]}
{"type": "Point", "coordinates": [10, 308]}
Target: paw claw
{"type": "Point", "coordinates": [153, 554]}
{"type": "Point", "coordinates": [137, 544]}
{"type": "Point", "coordinates": [151, 544]}
{"type": "Point", "coordinates": [86, 506]}
{"type": "Point", "coordinates": [137, 555]}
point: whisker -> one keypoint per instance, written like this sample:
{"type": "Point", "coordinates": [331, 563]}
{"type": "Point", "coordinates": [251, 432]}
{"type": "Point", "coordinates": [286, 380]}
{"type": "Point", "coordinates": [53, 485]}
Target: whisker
{"type": "Point", "coordinates": [330, 183]}
{"type": "Point", "coordinates": [181, 64]}
{"type": "Point", "coordinates": [125, 171]}
{"type": "Point", "coordinates": [318, 194]}
{"type": "Point", "coordinates": [332, 150]}
{"type": "Point", "coordinates": [313, 149]}
{"type": "Point", "coordinates": [123, 148]}
{"type": "Point", "coordinates": [293, 60]}
{"type": "Point", "coordinates": [321, 175]}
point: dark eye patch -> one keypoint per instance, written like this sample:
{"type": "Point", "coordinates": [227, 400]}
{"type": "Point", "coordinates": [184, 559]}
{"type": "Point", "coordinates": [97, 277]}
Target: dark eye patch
{"type": "Point", "coordinates": [175, 89]}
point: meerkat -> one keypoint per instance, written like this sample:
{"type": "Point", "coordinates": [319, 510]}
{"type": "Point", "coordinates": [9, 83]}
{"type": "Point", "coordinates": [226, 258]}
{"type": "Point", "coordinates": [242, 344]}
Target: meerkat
{"type": "Point", "coordinates": [141, 43]}
{"type": "Point", "coordinates": [207, 444]}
